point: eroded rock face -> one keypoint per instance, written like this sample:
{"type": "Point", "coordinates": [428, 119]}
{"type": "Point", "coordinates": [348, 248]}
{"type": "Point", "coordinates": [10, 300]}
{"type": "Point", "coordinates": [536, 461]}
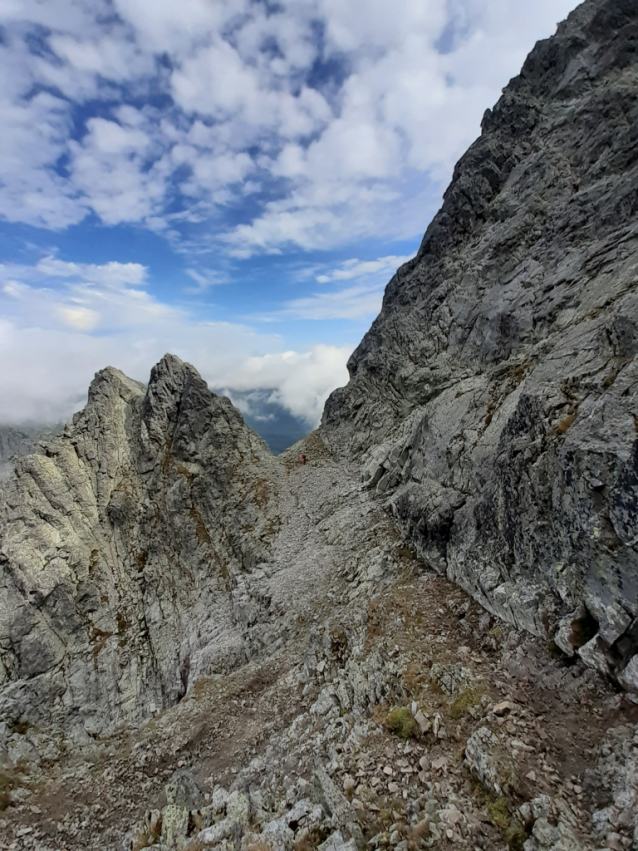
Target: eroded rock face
{"type": "Point", "coordinates": [20, 440]}
{"type": "Point", "coordinates": [119, 546]}
{"type": "Point", "coordinates": [493, 403]}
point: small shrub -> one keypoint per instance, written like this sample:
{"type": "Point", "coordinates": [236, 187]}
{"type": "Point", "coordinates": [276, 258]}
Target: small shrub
{"type": "Point", "coordinates": [418, 833]}
{"type": "Point", "coordinates": [497, 632]}
{"type": "Point", "coordinates": [516, 836]}
{"type": "Point", "coordinates": [401, 721]}
{"type": "Point", "coordinates": [309, 841]}
{"type": "Point", "coordinates": [466, 700]}
{"type": "Point", "coordinates": [499, 812]}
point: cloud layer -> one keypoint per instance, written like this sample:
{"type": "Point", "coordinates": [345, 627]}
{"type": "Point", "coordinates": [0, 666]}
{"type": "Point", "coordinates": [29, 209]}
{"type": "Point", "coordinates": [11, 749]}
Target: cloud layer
{"type": "Point", "coordinates": [61, 322]}
{"type": "Point", "coordinates": [238, 132]}
{"type": "Point", "coordinates": [314, 124]}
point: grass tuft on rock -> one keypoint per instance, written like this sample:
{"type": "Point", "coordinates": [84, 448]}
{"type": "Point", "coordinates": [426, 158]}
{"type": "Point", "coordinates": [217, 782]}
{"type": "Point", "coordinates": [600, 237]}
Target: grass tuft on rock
{"type": "Point", "coordinates": [498, 812]}
{"type": "Point", "coordinates": [466, 700]}
{"type": "Point", "coordinates": [401, 721]}
{"type": "Point", "coordinates": [516, 836]}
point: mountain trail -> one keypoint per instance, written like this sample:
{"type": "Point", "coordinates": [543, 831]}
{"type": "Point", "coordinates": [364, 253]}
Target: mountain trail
{"type": "Point", "coordinates": [487, 722]}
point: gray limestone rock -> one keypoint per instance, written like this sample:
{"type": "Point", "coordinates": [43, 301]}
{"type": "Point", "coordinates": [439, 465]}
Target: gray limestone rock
{"type": "Point", "coordinates": [182, 790]}
{"type": "Point", "coordinates": [336, 842]}
{"type": "Point", "coordinates": [119, 548]}
{"type": "Point", "coordinates": [493, 404]}
{"type": "Point", "coordinates": [16, 441]}
{"type": "Point", "coordinates": [487, 759]}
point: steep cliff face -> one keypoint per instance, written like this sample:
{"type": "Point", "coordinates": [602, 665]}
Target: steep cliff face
{"type": "Point", "coordinates": [120, 545]}
{"type": "Point", "coordinates": [494, 404]}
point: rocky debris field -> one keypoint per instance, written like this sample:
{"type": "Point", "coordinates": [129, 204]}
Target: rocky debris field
{"type": "Point", "coordinates": [395, 713]}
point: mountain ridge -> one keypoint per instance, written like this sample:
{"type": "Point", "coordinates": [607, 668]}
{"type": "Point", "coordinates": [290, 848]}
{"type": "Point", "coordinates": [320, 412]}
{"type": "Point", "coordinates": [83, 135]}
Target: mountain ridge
{"type": "Point", "coordinates": [203, 645]}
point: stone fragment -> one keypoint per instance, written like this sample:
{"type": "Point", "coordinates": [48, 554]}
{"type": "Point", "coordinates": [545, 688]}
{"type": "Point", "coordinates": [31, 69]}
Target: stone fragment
{"type": "Point", "coordinates": [628, 677]}
{"type": "Point", "coordinates": [424, 724]}
{"type": "Point", "coordinates": [212, 836]}
{"type": "Point", "coordinates": [175, 821]}
{"type": "Point", "coordinates": [238, 808]}
{"type": "Point", "coordinates": [593, 654]}
{"type": "Point", "coordinates": [336, 842]}
{"type": "Point", "coordinates": [487, 760]}
{"type": "Point", "coordinates": [334, 803]}
{"type": "Point", "coordinates": [183, 791]}
{"type": "Point", "coordinates": [278, 836]}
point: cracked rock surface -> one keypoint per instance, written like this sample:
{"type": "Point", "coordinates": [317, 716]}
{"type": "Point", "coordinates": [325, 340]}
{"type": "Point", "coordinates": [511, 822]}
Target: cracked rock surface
{"type": "Point", "coordinates": [493, 404]}
{"type": "Point", "coordinates": [203, 646]}
{"type": "Point", "coordinates": [119, 544]}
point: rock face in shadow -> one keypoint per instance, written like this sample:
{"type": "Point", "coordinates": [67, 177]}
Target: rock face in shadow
{"type": "Point", "coordinates": [119, 545]}
{"type": "Point", "coordinates": [493, 405]}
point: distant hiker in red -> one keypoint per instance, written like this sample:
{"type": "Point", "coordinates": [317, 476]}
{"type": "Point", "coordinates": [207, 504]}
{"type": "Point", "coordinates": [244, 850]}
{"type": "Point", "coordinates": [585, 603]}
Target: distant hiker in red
{"type": "Point", "coordinates": [303, 458]}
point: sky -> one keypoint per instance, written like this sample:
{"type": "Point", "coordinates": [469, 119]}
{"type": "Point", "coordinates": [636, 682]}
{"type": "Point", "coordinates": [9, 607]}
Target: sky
{"type": "Point", "coordinates": [234, 181]}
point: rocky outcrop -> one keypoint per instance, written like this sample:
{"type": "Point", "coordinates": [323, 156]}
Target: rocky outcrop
{"type": "Point", "coordinates": [19, 440]}
{"type": "Point", "coordinates": [120, 548]}
{"type": "Point", "coordinates": [493, 405]}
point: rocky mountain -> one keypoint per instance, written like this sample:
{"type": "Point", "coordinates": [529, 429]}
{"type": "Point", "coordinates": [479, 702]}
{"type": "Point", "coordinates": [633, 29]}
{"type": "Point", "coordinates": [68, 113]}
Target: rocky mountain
{"type": "Point", "coordinates": [493, 404]}
{"type": "Point", "coordinates": [19, 440]}
{"type": "Point", "coordinates": [206, 646]}
{"type": "Point", "coordinates": [119, 546]}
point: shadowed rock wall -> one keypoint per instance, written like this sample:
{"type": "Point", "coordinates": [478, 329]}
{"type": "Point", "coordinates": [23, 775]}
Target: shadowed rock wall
{"type": "Point", "coordinates": [493, 404]}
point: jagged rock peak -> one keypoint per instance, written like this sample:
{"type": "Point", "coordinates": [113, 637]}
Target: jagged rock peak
{"type": "Point", "coordinates": [141, 511]}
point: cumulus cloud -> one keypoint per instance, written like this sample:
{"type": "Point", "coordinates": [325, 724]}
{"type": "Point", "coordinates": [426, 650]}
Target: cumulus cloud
{"type": "Point", "coordinates": [302, 381]}
{"type": "Point", "coordinates": [349, 303]}
{"type": "Point", "coordinates": [236, 127]}
{"type": "Point", "coordinates": [61, 322]}
{"type": "Point", "coordinates": [330, 116]}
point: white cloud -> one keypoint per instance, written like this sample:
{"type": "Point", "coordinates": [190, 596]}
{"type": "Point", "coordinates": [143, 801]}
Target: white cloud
{"type": "Point", "coordinates": [360, 300]}
{"type": "Point", "coordinates": [355, 268]}
{"type": "Point", "coordinates": [302, 381]}
{"type": "Point", "coordinates": [353, 127]}
{"type": "Point", "coordinates": [79, 318]}
{"type": "Point", "coordinates": [357, 302]}
{"type": "Point", "coordinates": [109, 274]}
{"type": "Point", "coordinates": [205, 280]}
{"type": "Point", "coordinates": [49, 353]}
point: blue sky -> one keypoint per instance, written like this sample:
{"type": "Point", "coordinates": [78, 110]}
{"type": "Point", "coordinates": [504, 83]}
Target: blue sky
{"type": "Point", "coordinates": [233, 181]}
